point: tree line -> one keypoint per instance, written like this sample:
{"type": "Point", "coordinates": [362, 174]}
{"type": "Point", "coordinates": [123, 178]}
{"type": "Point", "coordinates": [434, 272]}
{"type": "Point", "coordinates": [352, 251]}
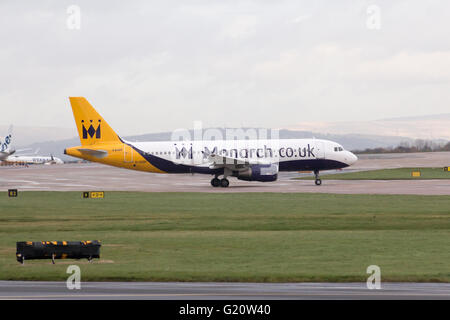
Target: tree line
{"type": "Point", "coordinates": [418, 145]}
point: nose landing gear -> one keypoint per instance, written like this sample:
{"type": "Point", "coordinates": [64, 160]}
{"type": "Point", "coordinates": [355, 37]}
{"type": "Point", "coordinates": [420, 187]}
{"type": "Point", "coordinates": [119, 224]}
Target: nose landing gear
{"type": "Point", "coordinates": [318, 180]}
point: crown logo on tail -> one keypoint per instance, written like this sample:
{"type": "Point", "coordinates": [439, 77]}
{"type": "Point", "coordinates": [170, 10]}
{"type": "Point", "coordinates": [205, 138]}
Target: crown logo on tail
{"type": "Point", "coordinates": [91, 132]}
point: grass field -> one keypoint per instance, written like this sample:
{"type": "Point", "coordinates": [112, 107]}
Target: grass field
{"type": "Point", "coordinates": [386, 174]}
{"type": "Point", "coordinates": [232, 237]}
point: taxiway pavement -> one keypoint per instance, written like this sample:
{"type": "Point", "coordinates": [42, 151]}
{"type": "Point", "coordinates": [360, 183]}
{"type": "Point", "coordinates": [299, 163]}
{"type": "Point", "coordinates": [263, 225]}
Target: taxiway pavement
{"type": "Point", "coordinates": [90, 177]}
{"type": "Point", "coordinates": [221, 291]}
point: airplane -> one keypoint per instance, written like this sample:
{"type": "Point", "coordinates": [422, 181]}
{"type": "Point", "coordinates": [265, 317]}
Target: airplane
{"type": "Point", "coordinates": [6, 150]}
{"type": "Point", "coordinates": [250, 160]}
{"type": "Point", "coordinates": [6, 154]}
{"type": "Point", "coordinates": [33, 159]}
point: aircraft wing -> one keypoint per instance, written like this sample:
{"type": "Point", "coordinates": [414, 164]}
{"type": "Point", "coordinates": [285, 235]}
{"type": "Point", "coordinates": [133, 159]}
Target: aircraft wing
{"type": "Point", "coordinates": [218, 161]}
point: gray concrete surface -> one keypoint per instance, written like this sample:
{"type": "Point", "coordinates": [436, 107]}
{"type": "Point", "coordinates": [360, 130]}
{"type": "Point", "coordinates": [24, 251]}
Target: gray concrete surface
{"type": "Point", "coordinates": [87, 177]}
{"type": "Point", "coordinates": [402, 160]}
{"type": "Point", "coordinates": [218, 291]}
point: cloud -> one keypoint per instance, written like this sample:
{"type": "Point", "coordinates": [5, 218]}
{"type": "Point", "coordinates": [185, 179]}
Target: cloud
{"type": "Point", "coordinates": [241, 27]}
{"type": "Point", "coordinates": [299, 19]}
{"type": "Point", "coordinates": [154, 66]}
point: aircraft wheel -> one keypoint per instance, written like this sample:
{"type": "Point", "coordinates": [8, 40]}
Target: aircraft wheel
{"type": "Point", "coordinates": [215, 182]}
{"type": "Point", "coordinates": [224, 183]}
{"type": "Point", "coordinates": [318, 182]}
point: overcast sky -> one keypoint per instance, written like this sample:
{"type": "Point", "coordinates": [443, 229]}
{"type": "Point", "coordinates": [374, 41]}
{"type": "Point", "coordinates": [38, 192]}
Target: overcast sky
{"type": "Point", "coordinates": [156, 66]}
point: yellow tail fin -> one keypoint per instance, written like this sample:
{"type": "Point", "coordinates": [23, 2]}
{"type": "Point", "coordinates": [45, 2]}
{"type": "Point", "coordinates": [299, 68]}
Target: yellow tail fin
{"type": "Point", "coordinates": [92, 128]}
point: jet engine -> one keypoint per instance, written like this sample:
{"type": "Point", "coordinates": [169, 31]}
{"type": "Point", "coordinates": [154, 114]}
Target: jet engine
{"type": "Point", "coordinates": [258, 172]}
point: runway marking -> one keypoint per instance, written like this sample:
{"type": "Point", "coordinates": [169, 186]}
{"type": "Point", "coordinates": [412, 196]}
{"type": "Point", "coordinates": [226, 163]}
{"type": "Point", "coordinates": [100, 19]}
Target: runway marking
{"type": "Point", "coordinates": [230, 287]}
{"type": "Point", "coordinates": [374, 293]}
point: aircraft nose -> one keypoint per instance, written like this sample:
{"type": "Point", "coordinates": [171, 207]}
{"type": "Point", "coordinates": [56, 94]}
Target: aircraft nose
{"type": "Point", "coordinates": [353, 158]}
{"type": "Point", "coordinates": [350, 158]}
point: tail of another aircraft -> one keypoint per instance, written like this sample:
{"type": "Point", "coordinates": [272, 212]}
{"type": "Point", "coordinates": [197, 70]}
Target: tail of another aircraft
{"type": "Point", "coordinates": [5, 144]}
{"type": "Point", "coordinates": [92, 128]}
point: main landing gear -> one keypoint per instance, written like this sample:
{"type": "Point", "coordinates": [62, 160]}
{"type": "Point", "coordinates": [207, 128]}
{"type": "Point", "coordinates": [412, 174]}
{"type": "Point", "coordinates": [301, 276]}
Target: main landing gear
{"type": "Point", "coordinates": [216, 182]}
{"type": "Point", "coordinates": [318, 181]}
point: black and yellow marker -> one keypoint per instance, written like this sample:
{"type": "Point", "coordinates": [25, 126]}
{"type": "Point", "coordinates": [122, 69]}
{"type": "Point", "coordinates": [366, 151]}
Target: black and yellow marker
{"type": "Point", "coordinates": [93, 194]}
{"type": "Point", "coordinates": [415, 174]}
{"type": "Point", "coordinates": [27, 250]}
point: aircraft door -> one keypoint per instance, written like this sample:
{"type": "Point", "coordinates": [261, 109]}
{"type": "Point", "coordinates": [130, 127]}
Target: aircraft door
{"type": "Point", "coordinates": [127, 153]}
{"type": "Point", "coordinates": [320, 150]}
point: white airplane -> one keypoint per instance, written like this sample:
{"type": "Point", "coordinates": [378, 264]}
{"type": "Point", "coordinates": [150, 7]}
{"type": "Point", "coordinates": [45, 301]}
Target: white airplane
{"type": "Point", "coordinates": [6, 154]}
{"type": "Point", "coordinates": [33, 159]}
{"type": "Point", "coordinates": [251, 160]}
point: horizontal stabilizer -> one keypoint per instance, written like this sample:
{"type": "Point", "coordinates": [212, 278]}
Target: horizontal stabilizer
{"type": "Point", "coordinates": [94, 153]}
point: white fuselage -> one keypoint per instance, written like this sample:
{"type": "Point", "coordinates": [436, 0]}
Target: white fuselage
{"type": "Point", "coordinates": [33, 160]}
{"type": "Point", "coordinates": [289, 154]}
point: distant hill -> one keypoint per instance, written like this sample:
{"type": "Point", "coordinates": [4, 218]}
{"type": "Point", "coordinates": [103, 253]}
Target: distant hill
{"type": "Point", "coordinates": [434, 117]}
{"type": "Point", "coordinates": [28, 135]}
{"type": "Point", "coordinates": [418, 127]}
